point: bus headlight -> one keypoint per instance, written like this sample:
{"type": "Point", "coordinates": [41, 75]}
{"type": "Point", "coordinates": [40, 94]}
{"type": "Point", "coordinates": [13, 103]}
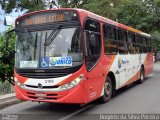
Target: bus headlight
{"type": "Point", "coordinates": [18, 83]}
{"type": "Point", "coordinates": [73, 83]}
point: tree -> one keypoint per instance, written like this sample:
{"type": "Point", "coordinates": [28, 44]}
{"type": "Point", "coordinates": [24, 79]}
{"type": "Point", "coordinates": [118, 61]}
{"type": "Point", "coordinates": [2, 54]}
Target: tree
{"type": "Point", "coordinates": [72, 3]}
{"type": "Point", "coordinates": [7, 59]}
{"type": "Point", "coordinates": [156, 39]}
{"type": "Point", "coordinates": [30, 5]}
{"type": "Point", "coordinates": [34, 5]}
{"type": "Point", "coordinates": [105, 8]}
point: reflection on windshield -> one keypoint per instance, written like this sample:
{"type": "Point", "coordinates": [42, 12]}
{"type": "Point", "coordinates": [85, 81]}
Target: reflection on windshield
{"type": "Point", "coordinates": [49, 49]}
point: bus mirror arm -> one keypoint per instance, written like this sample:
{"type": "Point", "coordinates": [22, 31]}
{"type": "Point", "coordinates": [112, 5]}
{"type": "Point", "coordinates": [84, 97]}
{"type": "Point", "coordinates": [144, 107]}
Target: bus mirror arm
{"type": "Point", "coordinates": [7, 41]}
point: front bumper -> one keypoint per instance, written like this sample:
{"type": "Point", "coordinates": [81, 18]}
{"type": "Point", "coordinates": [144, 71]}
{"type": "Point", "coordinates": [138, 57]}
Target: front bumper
{"type": "Point", "coordinates": [76, 95]}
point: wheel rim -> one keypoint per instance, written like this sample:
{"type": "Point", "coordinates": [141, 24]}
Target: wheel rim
{"type": "Point", "coordinates": [107, 88]}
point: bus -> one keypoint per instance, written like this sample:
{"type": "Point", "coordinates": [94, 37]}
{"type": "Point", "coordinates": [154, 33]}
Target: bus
{"type": "Point", "coordinates": [74, 56]}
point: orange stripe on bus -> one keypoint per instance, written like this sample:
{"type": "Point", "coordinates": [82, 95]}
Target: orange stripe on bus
{"type": "Point", "coordinates": [134, 30]}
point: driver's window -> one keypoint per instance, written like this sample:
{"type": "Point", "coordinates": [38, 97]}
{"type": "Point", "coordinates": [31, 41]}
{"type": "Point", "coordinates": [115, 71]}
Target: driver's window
{"type": "Point", "coordinates": [93, 47]}
{"type": "Point", "coordinates": [93, 42]}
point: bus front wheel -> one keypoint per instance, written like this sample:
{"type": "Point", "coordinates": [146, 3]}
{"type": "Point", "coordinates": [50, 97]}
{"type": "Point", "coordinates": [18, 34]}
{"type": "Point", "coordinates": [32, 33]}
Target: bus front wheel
{"type": "Point", "coordinates": [108, 90]}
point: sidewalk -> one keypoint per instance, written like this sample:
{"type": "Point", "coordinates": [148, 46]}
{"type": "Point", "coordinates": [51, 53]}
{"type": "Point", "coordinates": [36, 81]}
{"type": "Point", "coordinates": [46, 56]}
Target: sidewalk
{"type": "Point", "coordinates": [8, 99]}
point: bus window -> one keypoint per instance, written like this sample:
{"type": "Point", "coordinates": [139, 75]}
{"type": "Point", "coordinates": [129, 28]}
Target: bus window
{"type": "Point", "coordinates": [140, 47]}
{"type": "Point", "coordinates": [110, 47]}
{"type": "Point", "coordinates": [122, 45]}
{"type": "Point", "coordinates": [136, 48]}
{"type": "Point", "coordinates": [138, 39]}
{"type": "Point", "coordinates": [130, 39]}
{"type": "Point", "coordinates": [143, 40]}
{"type": "Point", "coordinates": [93, 42]}
{"type": "Point", "coordinates": [146, 40]}
{"type": "Point", "coordinates": [121, 34]}
{"type": "Point", "coordinates": [145, 49]}
{"type": "Point", "coordinates": [149, 48]}
{"type": "Point", "coordinates": [110, 42]}
{"type": "Point", "coordinates": [150, 43]}
{"type": "Point", "coordinates": [137, 44]}
{"type": "Point", "coordinates": [109, 32]}
{"type": "Point", "coordinates": [92, 25]}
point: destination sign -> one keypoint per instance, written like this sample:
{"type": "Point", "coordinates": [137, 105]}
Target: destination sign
{"type": "Point", "coordinates": [47, 17]}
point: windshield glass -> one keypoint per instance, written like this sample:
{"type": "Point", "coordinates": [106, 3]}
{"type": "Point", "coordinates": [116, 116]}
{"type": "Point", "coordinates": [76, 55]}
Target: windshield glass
{"type": "Point", "coordinates": [57, 48]}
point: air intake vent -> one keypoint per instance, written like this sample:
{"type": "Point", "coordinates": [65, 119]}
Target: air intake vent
{"type": "Point", "coordinates": [42, 75]}
{"type": "Point", "coordinates": [44, 87]}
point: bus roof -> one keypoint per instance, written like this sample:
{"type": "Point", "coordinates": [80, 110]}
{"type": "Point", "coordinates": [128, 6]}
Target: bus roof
{"type": "Point", "coordinates": [91, 15]}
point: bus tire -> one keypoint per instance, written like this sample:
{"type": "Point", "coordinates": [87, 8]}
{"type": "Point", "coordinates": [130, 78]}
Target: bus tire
{"type": "Point", "coordinates": [108, 90]}
{"type": "Point", "coordinates": [141, 79]}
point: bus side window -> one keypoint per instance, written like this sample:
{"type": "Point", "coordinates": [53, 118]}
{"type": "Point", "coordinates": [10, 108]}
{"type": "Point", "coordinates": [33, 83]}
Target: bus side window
{"type": "Point", "coordinates": [93, 42]}
{"type": "Point", "coordinates": [144, 44]}
{"type": "Point", "coordinates": [143, 40]}
{"type": "Point", "coordinates": [150, 45]}
{"type": "Point", "coordinates": [130, 39]}
{"type": "Point", "coordinates": [122, 45]}
{"type": "Point", "coordinates": [138, 40]}
{"type": "Point", "coordinates": [110, 43]}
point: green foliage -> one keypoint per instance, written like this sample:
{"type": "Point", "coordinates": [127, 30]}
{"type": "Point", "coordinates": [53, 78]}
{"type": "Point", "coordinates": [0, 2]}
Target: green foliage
{"type": "Point", "coordinates": [34, 5]}
{"type": "Point", "coordinates": [142, 15]}
{"type": "Point", "coordinates": [6, 59]}
{"type": "Point", "coordinates": [156, 40]}
{"type": "Point", "coordinates": [72, 3]}
{"type": "Point", "coordinates": [31, 5]}
{"type": "Point", "coordinates": [106, 8]}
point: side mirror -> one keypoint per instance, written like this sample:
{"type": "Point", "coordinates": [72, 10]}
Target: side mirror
{"type": "Point", "coordinates": [7, 40]}
{"type": "Point", "coordinates": [8, 20]}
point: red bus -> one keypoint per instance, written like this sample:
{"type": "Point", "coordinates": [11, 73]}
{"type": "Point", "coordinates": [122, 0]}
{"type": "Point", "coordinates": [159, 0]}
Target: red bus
{"type": "Point", "coordinates": [75, 56]}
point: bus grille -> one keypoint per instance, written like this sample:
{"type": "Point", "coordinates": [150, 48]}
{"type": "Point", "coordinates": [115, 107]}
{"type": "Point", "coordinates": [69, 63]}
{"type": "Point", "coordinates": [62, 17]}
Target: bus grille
{"type": "Point", "coordinates": [47, 97]}
{"type": "Point", "coordinates": [42, 75]}
{"type": "Point", "coordinates": [44, 87]}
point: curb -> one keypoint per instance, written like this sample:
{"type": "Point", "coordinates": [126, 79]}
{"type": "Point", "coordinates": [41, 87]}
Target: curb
{"type": "Point", "coordinates": [8, 99]}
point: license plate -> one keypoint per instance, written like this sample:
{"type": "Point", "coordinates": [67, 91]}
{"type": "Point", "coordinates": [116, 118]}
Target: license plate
{"type": "Point", "coordinates": [41, 95]}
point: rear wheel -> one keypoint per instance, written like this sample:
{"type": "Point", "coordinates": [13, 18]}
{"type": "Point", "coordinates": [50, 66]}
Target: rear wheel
{"type": "Point", "coordinates": [140, 81]}
{"type": "Point", "coordinates": [108, 90]}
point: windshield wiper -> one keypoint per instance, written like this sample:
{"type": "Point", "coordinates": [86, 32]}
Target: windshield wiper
{"type": "Point", "coordinates": [52, 36]}
{"type": "Point", "coordinates": [35, 46]}
{"type": "Point", "coordinates": [31, 40]}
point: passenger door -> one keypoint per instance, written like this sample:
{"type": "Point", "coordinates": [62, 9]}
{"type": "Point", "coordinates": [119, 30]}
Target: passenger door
{"type": "Point", "coordinates": [94, 65]}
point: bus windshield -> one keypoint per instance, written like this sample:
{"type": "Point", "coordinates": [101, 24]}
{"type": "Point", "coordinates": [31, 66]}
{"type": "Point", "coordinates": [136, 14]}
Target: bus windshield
{"type": "Point", "coordinates": [57, 48]}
